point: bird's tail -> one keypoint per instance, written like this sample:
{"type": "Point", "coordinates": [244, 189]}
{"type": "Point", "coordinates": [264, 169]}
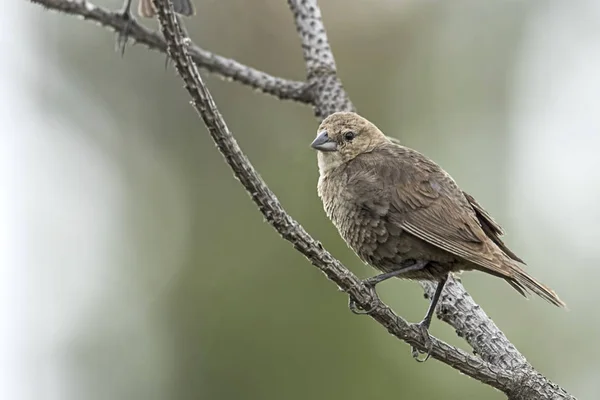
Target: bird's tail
{"type": "Point", "coordinates": [181, 7]}
{"type": "Point", "coordinates": [522, 282]}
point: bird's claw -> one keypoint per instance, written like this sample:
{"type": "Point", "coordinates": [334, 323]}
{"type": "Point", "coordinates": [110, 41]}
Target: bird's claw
{"type": "Point", "coordinates": [371, 282]}
{"type": "Point", "coordinates": [356, 309]}
{"type": "Point", "coordinates": [423, 326]}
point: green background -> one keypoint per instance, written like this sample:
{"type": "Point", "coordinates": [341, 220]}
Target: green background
{"type": "Point", "coordinates": [155, 277]}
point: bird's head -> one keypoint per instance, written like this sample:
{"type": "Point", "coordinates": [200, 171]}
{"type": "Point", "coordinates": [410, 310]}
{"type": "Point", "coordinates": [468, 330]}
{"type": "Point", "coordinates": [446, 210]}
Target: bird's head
{"type": "Point", "coordinates": [342, 136]}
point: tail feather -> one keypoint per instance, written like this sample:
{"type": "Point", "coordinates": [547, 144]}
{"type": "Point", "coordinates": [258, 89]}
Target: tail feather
{"type": "Point", "coordinates": [146, 9]}
{"type": "Point", "coordinates": [523, 283]}
{"type": "Point", "coordinates": [182, 7]}
{"type": "Point", "coordinates": [505, 266]}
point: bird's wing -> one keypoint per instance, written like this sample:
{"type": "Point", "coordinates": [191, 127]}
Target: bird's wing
{"type": "Point", "coordinates": [483, 216]}
{"type": "Point", "coordinates": [491, 228]}
{"type": "Point", "coordinates": [427, 203]}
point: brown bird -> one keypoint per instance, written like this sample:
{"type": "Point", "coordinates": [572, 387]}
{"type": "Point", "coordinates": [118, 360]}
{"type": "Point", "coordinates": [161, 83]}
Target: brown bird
{"type": "Point", "coordinates": [404, 215]}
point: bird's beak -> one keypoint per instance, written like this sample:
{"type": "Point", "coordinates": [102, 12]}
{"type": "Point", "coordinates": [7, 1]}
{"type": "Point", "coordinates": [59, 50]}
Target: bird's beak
{"type": "Point", "coordinates": [323, 143]}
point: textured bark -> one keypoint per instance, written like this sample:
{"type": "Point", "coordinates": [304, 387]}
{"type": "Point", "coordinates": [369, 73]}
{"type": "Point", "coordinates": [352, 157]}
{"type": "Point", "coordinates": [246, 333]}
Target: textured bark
{"type": "Point", "coordinates": [329, 95]}
{"type": "Point", "coordinates": [498, 363]}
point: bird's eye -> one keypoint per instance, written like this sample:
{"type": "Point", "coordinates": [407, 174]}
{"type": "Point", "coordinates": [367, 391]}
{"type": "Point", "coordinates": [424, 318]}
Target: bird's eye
{"type": "Point", "coordinates": [348, 136]}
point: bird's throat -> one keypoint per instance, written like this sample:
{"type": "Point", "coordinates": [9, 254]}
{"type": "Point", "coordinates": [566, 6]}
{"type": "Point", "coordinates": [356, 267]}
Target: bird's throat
{"type": "Point", "coordinates": [328, 162]}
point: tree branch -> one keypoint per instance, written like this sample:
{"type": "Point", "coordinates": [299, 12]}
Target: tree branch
{"type": "Point", "coordinates": [500, 364]}
{"type": "Point", "coordinates": [290, 229]}
{"type": "Point", "coordinates": [281, 88]}
{"type": "Point", "coordinates": [329, 93]}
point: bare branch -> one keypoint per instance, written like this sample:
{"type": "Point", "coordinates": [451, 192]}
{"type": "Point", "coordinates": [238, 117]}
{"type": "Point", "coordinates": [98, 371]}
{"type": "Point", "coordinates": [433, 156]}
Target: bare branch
{"type": "Point", "coordinates": [290, 229]}
{"type": "Point", "coordinates": [225, 67]}
{"type": "Point", "coordinates": [329, 93]}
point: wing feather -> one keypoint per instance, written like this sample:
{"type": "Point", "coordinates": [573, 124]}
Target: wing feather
{"type": "Point", "coordinates": [491, 228]}
{"type": "Point", "coordinates": [427, 203]}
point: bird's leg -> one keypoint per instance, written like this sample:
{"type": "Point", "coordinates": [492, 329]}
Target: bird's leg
{"type": "Point", "coordinates": [123, 35]}
{"type": "Point", "coordinates": [409, 266]}
{"type": "Point", "coordinates": [424, 325]}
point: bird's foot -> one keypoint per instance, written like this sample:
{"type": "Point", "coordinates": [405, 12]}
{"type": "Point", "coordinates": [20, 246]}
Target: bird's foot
{"type": "Point", "coordinates": [123, 34]}
{"type": "Point", "coordinates": [355, 308]}
{"type": "Point", "coordinates": [423, 326]}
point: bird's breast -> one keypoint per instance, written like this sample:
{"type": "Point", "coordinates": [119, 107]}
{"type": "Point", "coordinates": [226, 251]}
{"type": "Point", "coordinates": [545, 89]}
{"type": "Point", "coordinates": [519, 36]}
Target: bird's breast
{"type": "Point", "coordinates": [363, 220]}
{"type": "Point", "coordinates": [360, 220]}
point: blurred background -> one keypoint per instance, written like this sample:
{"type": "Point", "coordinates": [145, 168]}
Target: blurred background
{"type": "Point", "coordinates": [134, 266]}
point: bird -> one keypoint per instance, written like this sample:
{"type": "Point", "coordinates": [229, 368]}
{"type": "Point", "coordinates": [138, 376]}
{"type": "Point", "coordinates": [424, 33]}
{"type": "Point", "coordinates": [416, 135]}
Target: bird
{"type": "Point", "coordinates": [402, 214]}
{"type": "Point", "coordinates": [146, 9]}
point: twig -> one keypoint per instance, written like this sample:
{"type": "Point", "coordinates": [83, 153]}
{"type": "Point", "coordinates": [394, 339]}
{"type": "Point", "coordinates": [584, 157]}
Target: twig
{"type": "Point", "coordinates": [225, 67]}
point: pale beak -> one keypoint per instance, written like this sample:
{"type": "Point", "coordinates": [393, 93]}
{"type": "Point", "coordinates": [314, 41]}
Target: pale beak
{"type": "Point", "coordinates": [323, 143]}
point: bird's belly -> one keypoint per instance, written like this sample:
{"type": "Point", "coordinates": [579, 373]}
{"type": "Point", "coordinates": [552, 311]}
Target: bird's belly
{"type": "Point", "coordinates": [387, 248]}
{"type": "Point", "coordinates": [382, 244]}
